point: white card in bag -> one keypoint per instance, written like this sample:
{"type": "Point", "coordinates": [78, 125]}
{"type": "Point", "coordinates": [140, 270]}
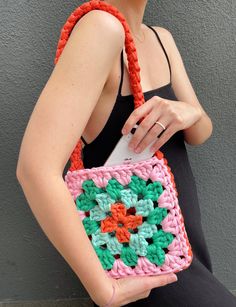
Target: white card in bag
{"type": "Point", "coordinates": [121, 154]}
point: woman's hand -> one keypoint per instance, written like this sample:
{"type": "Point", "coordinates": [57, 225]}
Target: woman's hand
{"type": "Point", "coordinates": [130, 289]}
{"type": "Point", "coordinates": [174, 115]}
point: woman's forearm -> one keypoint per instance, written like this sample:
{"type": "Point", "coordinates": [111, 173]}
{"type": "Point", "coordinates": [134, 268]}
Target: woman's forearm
{"type": "Point", "coordinates": [56, 212]}
{"type": "Point", "coordinates": [200, 131]}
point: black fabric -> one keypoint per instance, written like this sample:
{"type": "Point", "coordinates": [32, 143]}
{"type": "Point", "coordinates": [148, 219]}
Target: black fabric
{"type": "Point", "coordinates": [196, 286]}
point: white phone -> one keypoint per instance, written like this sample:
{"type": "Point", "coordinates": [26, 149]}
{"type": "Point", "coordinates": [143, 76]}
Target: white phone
{"type": "Point", "coordinates": [121, 154]}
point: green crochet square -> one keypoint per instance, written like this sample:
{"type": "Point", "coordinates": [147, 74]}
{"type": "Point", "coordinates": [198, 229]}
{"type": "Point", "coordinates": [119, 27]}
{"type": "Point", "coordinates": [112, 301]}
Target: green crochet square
{"type": "Point", "coordinates": [125, 221]}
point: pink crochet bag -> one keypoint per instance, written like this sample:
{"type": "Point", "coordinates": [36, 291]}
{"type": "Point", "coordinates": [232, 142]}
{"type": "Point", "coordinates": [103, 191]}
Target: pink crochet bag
{"type": "Point", "coordinates": [130, 211]}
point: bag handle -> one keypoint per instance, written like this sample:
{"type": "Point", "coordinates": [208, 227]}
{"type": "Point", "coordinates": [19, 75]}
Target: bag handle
{"type": "Point", "coordinates": [133, 65]}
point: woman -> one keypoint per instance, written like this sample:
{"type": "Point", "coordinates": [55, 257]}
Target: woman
{"type": "Point", "coordinates": [87, 96]}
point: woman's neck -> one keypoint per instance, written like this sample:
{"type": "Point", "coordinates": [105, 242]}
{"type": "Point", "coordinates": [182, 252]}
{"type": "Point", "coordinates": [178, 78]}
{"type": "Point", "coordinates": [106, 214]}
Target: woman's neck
{"type": "Point", "coordinates": [133, 11]}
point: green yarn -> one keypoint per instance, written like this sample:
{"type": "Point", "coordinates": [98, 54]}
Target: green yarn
{"type": "Point", "coordinates": [162, 238]}
{"type": "Point", "coordinates": [138, 244]}
{"type": "Point", "coordinates": [144, 207]}
{"type": "Point", "coordinates": [86, 201]}
{"type": "Point", "coordinates": [96, 214]}
{"type": "Point", "coordinates": [90, 226]}
{"type": "Point", "coordinates": [137, 184]}
{"type": "Point", "coordinates": [104, 201]}
{"type": "Point", "coordinates": [128, 256]}
{"type": "Point", "coordinates": [155, 254]}
{"type": "Point", "coordinates": [157, 215]}
{"type": "Point", "coordinates": [128, 198]}
{"type": "Point", "coordinates": [148, 191]}
{"type": "Point", "coordinates": [113, 188]}
{"type": "Point", "coordinates": [91, 190]}
{"type": "Point", "coordinates": [153, 191]}
{"type": "Point", "coordinates": [147, 230]}
{"type": "Point", "coordinates": [100, 238]}
{"type": "Point", "coordinates": [141, 197]}
{"type": "Point", "coordinates": [114, 246]}
{"type": "Point", "coordinates": [83, 203]}
{"type": "Point", "coordinates": [105, 257]}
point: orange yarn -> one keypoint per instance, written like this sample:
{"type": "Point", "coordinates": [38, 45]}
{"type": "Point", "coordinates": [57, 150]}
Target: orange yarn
{"type": "Point", "coordinates": [121, 222]}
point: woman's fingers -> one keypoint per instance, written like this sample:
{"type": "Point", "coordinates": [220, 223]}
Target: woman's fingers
{"type": "Point", "coordinates": [163, 138]}
{"type": "Point", "coordinates": [162, 280]}
{"type": "Point", "coordinates": [147, 131]}
{"type": "Point", "coordinates": [151, 136]}
{"type": "Point", "coordinates": [139, 113]}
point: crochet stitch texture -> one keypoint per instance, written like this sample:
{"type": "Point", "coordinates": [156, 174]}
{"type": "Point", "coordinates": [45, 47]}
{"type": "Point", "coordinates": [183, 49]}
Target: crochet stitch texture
{"type": "Point", "coordinates": [132, 217]}
{"type": "Point", "coordinates": [120, 223]}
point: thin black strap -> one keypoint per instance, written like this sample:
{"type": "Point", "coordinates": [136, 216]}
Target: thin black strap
{"type": "Point", "coordinates": [82, 138]}
{"type": "Point", "coordinates": [158, 37]}
{"type": "Point", "coordinates": [122, 72]}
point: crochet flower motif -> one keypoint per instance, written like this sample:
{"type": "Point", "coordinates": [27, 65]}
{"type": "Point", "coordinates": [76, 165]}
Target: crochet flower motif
{"type": "Point", "coordinates": [124, 221]}
{"type": "Point", "coordinates": [120, 222]}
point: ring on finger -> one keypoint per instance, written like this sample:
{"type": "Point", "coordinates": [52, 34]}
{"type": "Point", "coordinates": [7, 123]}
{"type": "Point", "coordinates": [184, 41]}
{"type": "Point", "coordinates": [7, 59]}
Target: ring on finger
{"type": "Point", "coordinates": [160, 124]}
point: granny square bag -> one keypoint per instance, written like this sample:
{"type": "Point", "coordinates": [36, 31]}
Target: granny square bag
{"type": "Point", "coordinates": [130, 211]}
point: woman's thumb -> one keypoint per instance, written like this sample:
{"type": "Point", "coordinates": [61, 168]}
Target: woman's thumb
{"type": "Point", "coordinates": [168, 278]}
{"type": "Point", "coordinates": [162, 280]}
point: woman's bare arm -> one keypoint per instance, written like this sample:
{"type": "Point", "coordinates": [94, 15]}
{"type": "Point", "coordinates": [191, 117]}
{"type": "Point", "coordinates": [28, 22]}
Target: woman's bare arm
{"type": "Point", "coordinates": [54, 128]}
{"type": "Point", "coordinates": [202, 129]}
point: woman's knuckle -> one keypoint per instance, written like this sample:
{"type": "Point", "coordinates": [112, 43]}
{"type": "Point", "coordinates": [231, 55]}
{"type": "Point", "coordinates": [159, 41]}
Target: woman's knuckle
{"type": "Point", "coordinates": [164, 103]}
{"type": "Point", "coordinates": [170, 110]}
{"type": "Point", "coordinates": [178, 119]}
{"type": "Point", "coordinates": [156, 98]}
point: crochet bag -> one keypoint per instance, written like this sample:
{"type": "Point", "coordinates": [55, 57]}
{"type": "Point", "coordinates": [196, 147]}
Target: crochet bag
{"type": "Point", "coordinates": [130, 211]}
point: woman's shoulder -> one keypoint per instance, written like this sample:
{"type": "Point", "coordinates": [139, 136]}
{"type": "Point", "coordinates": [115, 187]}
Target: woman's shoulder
{"type": "Point", "coordinates": [103, 21]}
{"type": "Point", "coordinates": [99, 30]}
{"type": "Point", "coordinates": [164, 33]}
{"type": "Point", "coordinates": [167, 40]}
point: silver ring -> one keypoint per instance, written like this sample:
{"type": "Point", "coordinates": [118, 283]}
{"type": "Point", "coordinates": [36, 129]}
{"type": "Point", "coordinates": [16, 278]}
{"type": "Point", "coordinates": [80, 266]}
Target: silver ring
{"type": "Point", "coordinates": [164, 128]}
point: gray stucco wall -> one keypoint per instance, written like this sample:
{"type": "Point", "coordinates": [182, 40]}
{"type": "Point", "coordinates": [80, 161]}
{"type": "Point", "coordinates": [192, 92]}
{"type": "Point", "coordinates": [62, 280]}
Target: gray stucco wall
{"type": "Point", "coordinates": [30, 267]}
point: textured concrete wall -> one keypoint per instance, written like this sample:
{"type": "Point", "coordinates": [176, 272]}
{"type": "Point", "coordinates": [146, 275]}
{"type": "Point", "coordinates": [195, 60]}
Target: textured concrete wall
{"type": "Point", "coordinates": [30, 268]}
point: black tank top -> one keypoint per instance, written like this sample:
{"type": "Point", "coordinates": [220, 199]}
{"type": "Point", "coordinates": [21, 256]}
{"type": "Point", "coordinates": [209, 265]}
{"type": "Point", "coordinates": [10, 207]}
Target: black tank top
{"type": "Point", "coordinates": [95, 154]}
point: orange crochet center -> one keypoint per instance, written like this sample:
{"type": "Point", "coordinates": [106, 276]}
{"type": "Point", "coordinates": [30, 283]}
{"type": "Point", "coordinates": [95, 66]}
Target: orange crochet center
{"type": "Point", "coordinates": [120, 222]}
